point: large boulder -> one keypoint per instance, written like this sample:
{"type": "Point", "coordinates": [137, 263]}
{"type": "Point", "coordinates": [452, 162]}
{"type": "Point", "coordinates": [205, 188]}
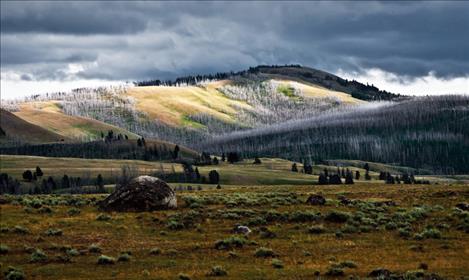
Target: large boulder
{"type": "Point", "coordinates": [143, 193]}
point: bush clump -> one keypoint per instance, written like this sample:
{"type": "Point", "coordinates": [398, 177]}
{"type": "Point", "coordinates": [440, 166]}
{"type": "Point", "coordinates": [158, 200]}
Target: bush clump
{"type": "Point", "coordinates": [73, 211]}
{"type": "Point", "coordinates": [105, 260]}
{"type": "Point", "coordinates": [103, 217]}
{"type": "Point", "coordinates": [337, 217]}
{"type": "Point", "coordinates": [217, 271]}
{"type": "Point", "coordinates": [155, 251]}
{"type": "Point", "coordinates": [4, 249]}
{"type": "Point", "coordinates": [264, 253]}
{"type": "Point", "coordinates": [20, 230]}
{"type": "Point", "coordinates": [123, 258]}
{"type": "Point", "coordinates": [318, 229]}
{"type": "Point", "coordinates": [230, 242]}
{"type": "Point", "coordinates": [94, 248]}
{"type": "Point", "coordinates": [38, 256]}
{"type": "Point", "coordinates": [13, 273]}
{"type": "Point", "coordinates": [53, 232]}
{"type": "Point", "coordinates": [276, 263]}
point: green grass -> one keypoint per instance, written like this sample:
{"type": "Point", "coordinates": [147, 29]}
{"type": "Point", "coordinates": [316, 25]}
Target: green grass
{"type": "Point", "coordinates": [192, 251]}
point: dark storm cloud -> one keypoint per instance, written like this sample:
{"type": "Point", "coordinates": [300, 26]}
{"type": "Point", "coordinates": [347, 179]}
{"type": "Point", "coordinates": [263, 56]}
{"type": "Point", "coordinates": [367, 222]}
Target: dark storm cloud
{"type": "Point", "coordinates": [142, 40]}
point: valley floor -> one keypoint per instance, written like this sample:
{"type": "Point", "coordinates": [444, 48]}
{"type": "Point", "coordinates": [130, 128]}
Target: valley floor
{"type": "Point", "coordinates": [424, 229]}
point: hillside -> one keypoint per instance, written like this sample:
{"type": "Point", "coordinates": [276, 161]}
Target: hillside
{"type": "Point", "coordinates": [49, 116]}
{"type": "Point", "coordinates": [15, 129]}
{"type": "Point", "coordinates": [424, 133]}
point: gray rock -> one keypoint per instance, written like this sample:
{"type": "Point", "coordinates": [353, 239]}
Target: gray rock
{"type": "Point", "coordinates": [143, 193]}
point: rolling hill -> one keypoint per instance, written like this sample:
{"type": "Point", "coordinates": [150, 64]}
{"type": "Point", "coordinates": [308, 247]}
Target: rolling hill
{"type": "Point", "coordinates": [15, 129]}
{"type": "Point", "coordinates": [49, 116]}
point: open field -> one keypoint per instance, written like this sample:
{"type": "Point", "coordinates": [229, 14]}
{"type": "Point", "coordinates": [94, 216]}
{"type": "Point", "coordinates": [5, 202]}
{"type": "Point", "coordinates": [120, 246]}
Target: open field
{"type": "Point", "coordinates": [270, 172]}
{"type": "Point", "coordinates": [424, 229]}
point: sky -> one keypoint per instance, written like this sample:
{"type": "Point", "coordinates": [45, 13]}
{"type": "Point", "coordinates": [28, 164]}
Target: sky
{"type": "Point", "coordinates": [406, 47]}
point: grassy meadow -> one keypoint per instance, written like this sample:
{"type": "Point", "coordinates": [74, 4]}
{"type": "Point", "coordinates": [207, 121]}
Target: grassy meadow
{"type": "Point", "coordinates": [63, 236]}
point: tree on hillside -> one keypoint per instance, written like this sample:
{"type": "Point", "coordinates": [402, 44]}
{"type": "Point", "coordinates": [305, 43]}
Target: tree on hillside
{"type": "Point", "coordinates": [322, 179]}
{"type": "Point", "coordinates": [308, 169]}
{"type": "Point", "coordinates": [65, 182]}
{"type": "Point", "coordinates": [257, 161]}
{"type": "Point", "coordinates": [28, 175]}
{"type": "Point", "coordinates": [223, 157]}
{"type": "Point", "coordinates": [348, 178]}
{"type": "Point", "coordinates": [176, 152]}
{"type": "Point", "coordinates": [335, 180]}
{"type": "Point", "coordinates": [326, 172]}
{"type": "Point", "coordinates": [213, 177]}
{"type": "Point", "coordinates": [367, 176]}
{"type": "Point", "coordinates": [294, 168]}
{"type": "Point", "coordinates": [357, 175]}
{"type": "Point", "coordinates": [366, 167]}
{"type": "Point", "coordinates": [100, 183]}
{"type": "Point", "coordinates": [215, 161]}
{"type": "Point", "coordinates": [39, 172]}
{"type": "Point", "coordinates": [197, 174]}
{"type": "Point", "coordinates": [233, 157]}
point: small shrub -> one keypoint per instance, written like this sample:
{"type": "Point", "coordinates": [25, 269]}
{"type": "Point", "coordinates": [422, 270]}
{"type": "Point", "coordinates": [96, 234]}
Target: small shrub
{"type": "Point", "coordinates": [4, 249]}
{"type": "Point", "coordinates": [38, 256]}
{"type": "Point", "coordinates": [20, 230]}
{"type": "Point", "coordinates": [105, 260]}
{"type": "Point", "coordinates": [348, 264]}
{"type": "Point", "coordinates": [45, 210]}
{"type": "Point", "coordinates": [172, 252]}
{"type": "Point", "coordinates": [183, 276]}
{"type": "Point", "coordinates": [94, 248]}
{"type": "Point", "coordinates": [276, 263]}
{"type": "Point", "coordinates": [174, 225]}
{"type": "Point", "coordinates": [217, 271]}
{"type": "Point", "coordinates": [123, 258]}
{"type": "Point", "coordinates": [72, 252]}
{"type": "Point", "coordinates": [73, 211]}
{"type": "Point", "coordinates": [404, 232]}
{"type": "Point", "coordinates": [53, 232]}
{"type": "Point", "coordinates": [431, 233]}
{"type": "Point", "coordinates": [155, 251]}
{"type": "Point", "coordinates": [264, 253]}
{"type": "Point", "coordinates": [103, 217]}
{"type": "Point", "coordinates": [335, 270]}
{"type": "Point", "coordinates": [317, 229]}
{"type": "Point", "coordinates": [13, 273]}
{"type": "Point", "coordinates": [337, 217]}
{"type": "Point", "coordinates": [230, 242]}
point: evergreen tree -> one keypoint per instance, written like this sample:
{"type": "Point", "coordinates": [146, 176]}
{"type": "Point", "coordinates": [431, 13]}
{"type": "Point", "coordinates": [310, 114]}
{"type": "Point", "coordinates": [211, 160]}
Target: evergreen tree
{"type": "Point", "coordinates": [257, 161]}
{"type": "Point", "coordinates": [322, 179]}
{"type": "Point", "coordinates": [308, 169]}
{"type": "Point", "coordinates": [215, 161]}
{"type": "Point", "coordinates": [294, 168]}
{"type": "Point", "coordinates": [100, 183]}
{"type": "Point", "coordinates": [28, 175]}
{"type": "Point", "coordinates": [197, 174]}
{"type": "Point", "coordinates": [366, 167]}
{"type": "Point", "coordinates": [367, 176]}
{"type": "Point", "coordinates": [65, 182]}
{"type": "Point", "coordinates": [223, 157]}
{"type": "Point", "coordinates": [213, 177]}
{"type": "Point", "coordinates": [348, 178]}
{"type": "Point", "coordinates": [357, 175]}
{"type": "Point", "coordinates": [335, 180]}
{"type": "Point", "coordinates": [176, 152]}
{"type": "Point", "coordinates": [39, 172]}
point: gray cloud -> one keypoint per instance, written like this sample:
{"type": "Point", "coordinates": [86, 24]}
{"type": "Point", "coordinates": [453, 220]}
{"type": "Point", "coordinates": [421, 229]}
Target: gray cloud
{"type": "Point", "coordinates": [143, 40]}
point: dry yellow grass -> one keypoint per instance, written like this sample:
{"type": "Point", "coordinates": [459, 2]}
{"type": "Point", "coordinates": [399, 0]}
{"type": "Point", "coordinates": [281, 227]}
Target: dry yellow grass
{"type": "Point", "coordinates": [171, 104]}
{"type": "Point", "coordinates": [191, 250]}
{"type": "Point", "coordinates": [314, 91]}
{"type": "Point", "coordinates": [49, 116]}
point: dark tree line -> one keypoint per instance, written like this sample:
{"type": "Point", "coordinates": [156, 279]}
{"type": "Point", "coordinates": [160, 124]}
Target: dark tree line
{"type": "Point", "coordinates": [426, 133]}
{"type": "Point", "coordinates": [122, 149]}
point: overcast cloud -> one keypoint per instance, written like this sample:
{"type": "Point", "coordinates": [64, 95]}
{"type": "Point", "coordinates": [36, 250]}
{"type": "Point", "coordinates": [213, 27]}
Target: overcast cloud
{"type": "Point", "coordinates": [410, 47]}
